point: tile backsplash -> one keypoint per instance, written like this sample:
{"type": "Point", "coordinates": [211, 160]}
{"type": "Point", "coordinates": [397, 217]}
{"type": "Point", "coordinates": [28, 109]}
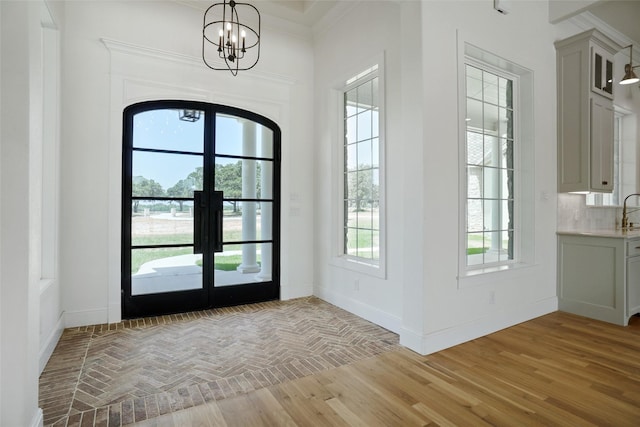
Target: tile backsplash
{"type": "Point", "coordinates": [574, 214]}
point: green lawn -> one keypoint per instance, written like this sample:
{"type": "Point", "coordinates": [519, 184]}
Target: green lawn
{"type": "Point", "coordinates": [141, 256]}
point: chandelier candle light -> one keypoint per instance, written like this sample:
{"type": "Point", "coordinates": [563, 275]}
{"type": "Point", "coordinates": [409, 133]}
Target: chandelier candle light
{"type": "Point", "coordinates": [225, 37]}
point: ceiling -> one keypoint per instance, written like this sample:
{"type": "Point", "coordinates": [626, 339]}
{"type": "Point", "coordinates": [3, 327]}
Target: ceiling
{"type": "Point", "coordinates": [305, 12]}
{"type": "Point", "coordinates": [621, 15]}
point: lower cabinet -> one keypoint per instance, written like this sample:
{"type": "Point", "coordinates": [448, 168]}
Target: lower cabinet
{"type": "Point", "coordinates": [599, 277]}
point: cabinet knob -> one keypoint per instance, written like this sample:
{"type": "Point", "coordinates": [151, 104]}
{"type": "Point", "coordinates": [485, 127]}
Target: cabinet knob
{"type": "Point", "coordinates": [605, 182]}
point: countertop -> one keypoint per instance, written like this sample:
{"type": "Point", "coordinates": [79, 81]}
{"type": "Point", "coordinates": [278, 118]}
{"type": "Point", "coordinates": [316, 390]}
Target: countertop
{"type": "Point", "coordinates": [609, 232]}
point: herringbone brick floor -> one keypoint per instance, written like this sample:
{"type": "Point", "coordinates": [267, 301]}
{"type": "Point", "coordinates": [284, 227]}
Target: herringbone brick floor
{"type": "Point", "coordinates": [117, 374]}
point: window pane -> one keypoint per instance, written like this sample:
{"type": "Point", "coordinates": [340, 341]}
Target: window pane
{"type": "Point", "coordinates": [492, 244]}
{"type": "Point", "coordinates": [475, 249]}
{"type": "Point", "coordinates": [351, 100]}
{"type": "Point", "coordinates": [365, 95]}
{"type": "Point", "coordinates": [492, 183]}
{"type": "Point", "coordinates": [351, 241]}
{"type": "Point", "coordinates": [351, 129]}
{"type": "Point", "coordinates": [365, 239]}
{"type": "Point", "coordinates": [364, 125]}
{"type": "Point", "coordinates": [491, 151]}
{"type": "Point", "coordinates": [374, 95]}
{"type": "Point", "coordinates": [474, 148]}
{"type": "Point", "coordinates": [351, 216]}
{"type": "Point", "coordinates": [505, 91]}
{"type": "Point", "coordinates": [163, 130]}
{"type": "Point", "coordinates": [375, 245]}
{"type": "Point", "coordinates": [474, 114]}
{"type": "Point", "coordinates": [165, 270]}
{"type": "Point", "coordinates": [492, 215]}
{"type": "Point", "coordinates": [474, 215]}
{"type": "Point", "coordinates": [375, 152]}
{"type": "Point", "coordinates": [375, 125]}
{"type": "Point", "coordinates": [229, 269]}
{"type": "Point", "coordinates": [156, 173]}
{"type": "Point", "coordinates": [229, 178]}
{"type": "Point", "coordinates": [243, 221]}
{"type": "Point", "coordinates": [506, 150]}
{"type": "Point", "coordinates": [352, 185]}
{"type": "Point", "coordinates": [364, 154]}
{"type": "Point", "coordinates": [474, 182]}
{"type": "Point", "coordinates": [507, 214]}
{"type": "Point", "coordinates": [490, 93]}
{"type": "Point", "coordinates": [474, 82]}
{"type": "Point", "coordinates": [237, 136]}
{"type": "Point", "coordinates": [491, 117]}
{"type": "Point", "coordinates": [507, 183]}
{"type": "Point", "coordinates": [507, 246]}
{"type": "Point", "coordinates": [506, 123]}
{"type": "Point", "coordinates": [351, 157]}
{"type": "Point", "coordinates": [155, 222]}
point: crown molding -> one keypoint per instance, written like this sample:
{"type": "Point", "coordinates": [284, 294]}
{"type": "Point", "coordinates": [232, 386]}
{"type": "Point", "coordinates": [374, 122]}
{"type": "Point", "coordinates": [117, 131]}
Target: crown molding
{"type": "Point", "coordinates": [194, 61]}
{"type": "Point", "coordinates": [587, 21]}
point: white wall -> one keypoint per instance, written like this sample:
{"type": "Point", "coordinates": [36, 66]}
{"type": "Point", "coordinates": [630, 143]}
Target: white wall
{"type": "Point", "coordinates": [354, 36]}
{"type": "Point", "coordinates": [51, 313]}
{"type": "Point", "coordinates": [20, 211]}
{"type": "Point", "coordinates": [460, 310]}
{"type": "Point", "coordinates": [118, 53]}
{"type": "Point", "coordinates": [434, 310]}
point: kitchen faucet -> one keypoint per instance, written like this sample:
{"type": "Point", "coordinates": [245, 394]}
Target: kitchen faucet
{"type": "Point", "coordinates": [625, 218]}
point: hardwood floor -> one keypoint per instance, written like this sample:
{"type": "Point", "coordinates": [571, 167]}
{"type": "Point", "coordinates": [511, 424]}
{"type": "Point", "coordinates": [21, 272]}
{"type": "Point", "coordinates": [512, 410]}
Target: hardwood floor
{"type": "Point", "coordinates": [557, 370]}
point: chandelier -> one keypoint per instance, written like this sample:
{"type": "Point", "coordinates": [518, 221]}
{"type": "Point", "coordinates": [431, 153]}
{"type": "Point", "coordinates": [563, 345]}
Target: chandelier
{"type": "Point", "coordinates": [225, 37]}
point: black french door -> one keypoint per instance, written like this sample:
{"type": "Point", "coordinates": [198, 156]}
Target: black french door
{"type": "Point", "coordinates": [200, 208]}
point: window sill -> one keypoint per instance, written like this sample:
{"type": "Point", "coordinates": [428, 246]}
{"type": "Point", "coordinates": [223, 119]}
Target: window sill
{"type": "Point", "coordinates": [353, 264]}
{"type": "Point", "coordinates": [481, 276]}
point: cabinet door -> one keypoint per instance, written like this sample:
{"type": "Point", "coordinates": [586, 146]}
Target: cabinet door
{"type": "Point", "coordinates": [601, 119]}
{"type": "Point", "coordinates": [633, 285]}
{"type": "Point", "coordinates": [601, 72]}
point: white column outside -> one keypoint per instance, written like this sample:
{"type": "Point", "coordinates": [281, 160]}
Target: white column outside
{"type": "Point", "coordinates": [249, 262]}
{"type": "Point", "coordinates": [266, 209]}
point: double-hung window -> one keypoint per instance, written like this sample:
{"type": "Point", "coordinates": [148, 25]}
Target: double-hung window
{"type": "Point", "coordinates": [361, 237]}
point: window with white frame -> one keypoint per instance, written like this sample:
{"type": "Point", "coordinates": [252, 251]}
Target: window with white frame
{"type": "Point", "coordinates": [491, 150]}
{"type": "Point", "coordinates": [497, 165]}
{"type": "Point", "coordinates": [362, 184]}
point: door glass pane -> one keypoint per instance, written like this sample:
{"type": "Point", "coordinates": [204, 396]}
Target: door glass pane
{"type": "Point", "coordinates": [250, 221]}
{"type": "Point", "coordinates": [246, 178]}
{"type": "Point", "coordinates": [165, 270]}
{"type": "Point", "coordinates": [161, 222]}
{"type": "Point", "coordinates": [162, 174]}
{"type": "Point", "coordinates": [241, 264]}
{"type": "Point", "coordinates": [165, 130]}
{"type": "Point", "coordinates": [236, 136]}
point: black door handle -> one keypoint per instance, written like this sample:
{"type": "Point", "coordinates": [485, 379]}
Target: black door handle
{"type": "Point", "coordinates": [199, 225]}
{"type": "Point", "coordinates": [217, 214]}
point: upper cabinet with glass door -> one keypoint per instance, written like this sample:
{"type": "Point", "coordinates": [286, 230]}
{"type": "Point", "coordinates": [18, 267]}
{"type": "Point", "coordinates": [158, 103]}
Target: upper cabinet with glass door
{"type": "Point", "coordinates": [585, 112]}
{"type": "Point", "coordinates": [601, 71]}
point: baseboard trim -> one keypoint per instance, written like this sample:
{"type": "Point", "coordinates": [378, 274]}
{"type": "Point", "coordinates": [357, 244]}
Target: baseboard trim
{"type": "Point", "coordinates": [74, 319]}
{"type": "Point", "coordinates": [47, 350]}
{"type": "Point", "coordinates": [440, 340]}
{"type": "Point", "coordinates": [38, 419]}
{"type": "Point", "coordinates": [366, 311]}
